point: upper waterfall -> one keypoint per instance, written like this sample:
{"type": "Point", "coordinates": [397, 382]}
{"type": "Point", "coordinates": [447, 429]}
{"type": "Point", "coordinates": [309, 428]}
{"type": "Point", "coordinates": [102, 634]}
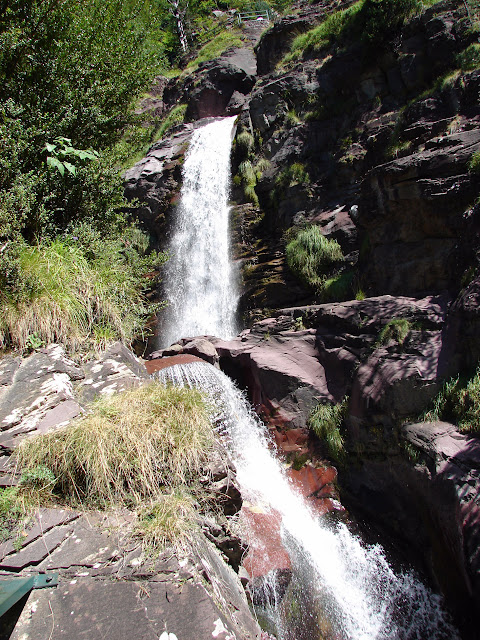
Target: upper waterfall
{"type": "Point", "coordinates": [199, 281]}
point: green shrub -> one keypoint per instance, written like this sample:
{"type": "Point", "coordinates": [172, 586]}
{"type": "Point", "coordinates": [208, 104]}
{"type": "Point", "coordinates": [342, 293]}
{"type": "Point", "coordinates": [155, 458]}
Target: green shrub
{"type": "Point", "coordinates": [397, 330]}
{"type": "Point", "coordinates": [325, 420]}
{"type": "Point", "coordinates": [474, 163]}
{"type": "Point", "coordinates": [310, 255]}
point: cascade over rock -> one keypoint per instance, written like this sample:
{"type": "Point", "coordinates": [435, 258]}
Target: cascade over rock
{"type": "Point", "coordinates": [383, 145]}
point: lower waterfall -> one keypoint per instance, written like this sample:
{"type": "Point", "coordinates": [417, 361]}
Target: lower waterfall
{"type": "Point", "coordinates": [351, 590]}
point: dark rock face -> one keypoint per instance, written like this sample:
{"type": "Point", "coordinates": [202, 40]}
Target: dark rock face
{"type": "Point", "coordinates": [155, 180]}
{"type": "Point", "coordinates": [412, 222]}
{"type": "Point", "coordinates": [108, 587]}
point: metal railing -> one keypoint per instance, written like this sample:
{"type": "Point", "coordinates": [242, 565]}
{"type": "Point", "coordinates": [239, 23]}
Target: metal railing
{"type": "Point", "coordinates": [253, 15]}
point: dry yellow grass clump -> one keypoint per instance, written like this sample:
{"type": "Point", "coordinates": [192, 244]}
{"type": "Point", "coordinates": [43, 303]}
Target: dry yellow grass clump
{"type": "Point", "coordinates": [144, 449]}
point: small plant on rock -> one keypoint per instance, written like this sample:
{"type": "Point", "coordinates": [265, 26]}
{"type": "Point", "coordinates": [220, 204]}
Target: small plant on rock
{"type": "Point", "coordinates": [325, 420]}
{"type": "Point", "coordinates": [397, 330]}
{"type": "Point", "coordinates": [310, 255]}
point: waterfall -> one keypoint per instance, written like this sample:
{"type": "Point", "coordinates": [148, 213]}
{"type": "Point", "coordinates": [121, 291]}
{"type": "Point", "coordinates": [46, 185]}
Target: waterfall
{"type": "Point", "coordinates": [199, 279]}
{"type": "Point", "coordinates": [362, 597]}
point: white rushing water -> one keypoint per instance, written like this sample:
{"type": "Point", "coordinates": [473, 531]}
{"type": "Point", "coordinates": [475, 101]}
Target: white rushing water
{"type": "Point", "coordinates": [200, 285]}
{"type": "Point", "coordinates": [362, 597]}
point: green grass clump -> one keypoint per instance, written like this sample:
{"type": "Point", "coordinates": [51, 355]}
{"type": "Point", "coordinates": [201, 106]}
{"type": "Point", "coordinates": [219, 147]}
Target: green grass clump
{"type": "Point", "coordinates": [459, 402]}
{"type": "Point", "coordinates": [371, 21]}
{"type": "Point", "coordinates": [145, 449]}
{"type": "Point", "coordinates": [339, 287]}
{"type": "Point", "coordinates": [133, 447]}
{"type": "Point", "coordinates": [397, 330]}
{"type": "Point", "coordinates": [326, 420]}
{"type": "Point", "coordinates": [80, 290]}
{"type": "Point", "coordinates": [474, 164]}
{"type": "Point", "coordinates": [17, 503]}
{"type": "Point", "coordinates": [469, 58]}
{"type": "Point", "coordinates": [175, 116]}
{"type": "Point", "coordinates": [245, 142]}
{"type": "Point", "coordinates": [310, 255]}
{"type": "Point", "coordinates": [214, 49]}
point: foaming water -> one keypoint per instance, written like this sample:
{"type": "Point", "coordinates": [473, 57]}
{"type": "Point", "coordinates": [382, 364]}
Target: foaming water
{"type": "Point", "coordinates": [361, 597]}
{"type": "Point", "coordinates": [199, 280]}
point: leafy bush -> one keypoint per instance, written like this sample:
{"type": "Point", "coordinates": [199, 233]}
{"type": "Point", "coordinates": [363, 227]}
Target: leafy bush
{"type": "Point", "coordinates": [459, 402]}
{"type": "Point", "coordinates": [310, 256]}
{"type": "Point", "coordinates": [397, 330]}
{"type": "Point", "coordinates": [325, 420]}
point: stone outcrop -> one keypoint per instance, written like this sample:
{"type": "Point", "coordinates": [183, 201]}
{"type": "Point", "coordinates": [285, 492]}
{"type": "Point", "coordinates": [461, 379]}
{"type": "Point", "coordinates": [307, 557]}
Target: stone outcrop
{"type": "Point", "coordinates": [108, 586]}
{"type": "Point", "coordinates": [108, 582]}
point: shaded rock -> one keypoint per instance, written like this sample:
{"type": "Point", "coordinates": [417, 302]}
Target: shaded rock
{"type": "Point", "coordinates": [155, 180]}
{"type": "Point", "coordinates": [215, 84]}
{"type": "Point", "coordinates": [412, 219]}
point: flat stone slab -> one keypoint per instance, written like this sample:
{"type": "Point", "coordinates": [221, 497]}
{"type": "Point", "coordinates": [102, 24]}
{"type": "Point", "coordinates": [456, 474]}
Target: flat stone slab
{"type": "Point", "coordinates": [87, 608]}
{"type": "Point", "coordinates": [43, 521]}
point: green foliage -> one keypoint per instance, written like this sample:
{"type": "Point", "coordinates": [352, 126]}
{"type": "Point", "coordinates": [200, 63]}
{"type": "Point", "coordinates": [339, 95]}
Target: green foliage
{"type": "Point", "coordinates": [310, 255]}
{"type": "Point", "coordinates": [325, 420]}
{"type": "Point", "coordinates": [469, 58]}
{"type": "Point", "coordinates": [474, 163]}
{"type": "Point", "coordinates": [63, 152]}
{"type": "Point", "coordinates": [213, 49]}
{"type": "Point", "coordinates": [67, 289]}
{"type": "Point", "coordinates": [174, 117]}
{"type": "Point", "coordinates": [371, 21]}
{"type": "Point", "coordinates": [295, 173]}
{"type": "Point", "coordinates": [397, 329]}
{"type": "Point", "coordinates": [245, 142]}
{"type": "Point", "coordinates": [459, 402]}
{"type": "Point", "coordinates": [339, 287]}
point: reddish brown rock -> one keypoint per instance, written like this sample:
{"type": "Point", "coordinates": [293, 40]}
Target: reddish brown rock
{"type": "Point", "coordinates": [158, 364]}
{"type": "Point", "coordinates": [266, 553]}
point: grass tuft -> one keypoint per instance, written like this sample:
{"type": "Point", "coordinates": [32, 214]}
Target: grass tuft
{"type": "Point", "coordinates": [325, 420]}
{"type": "Point", "coordinates": [131, 448]}
{"type": "Point", "coordinates": [397, 330]}
{"type": "Point", "coordinates": [459, 402]}
{"type": "Point", "coordinates": [310, 255]}
{"type": "Point", "coordinates": [67, 297]}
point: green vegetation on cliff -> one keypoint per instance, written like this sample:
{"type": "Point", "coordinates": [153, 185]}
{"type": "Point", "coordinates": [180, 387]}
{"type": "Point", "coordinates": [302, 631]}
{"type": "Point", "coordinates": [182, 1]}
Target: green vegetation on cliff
{"type": "Point", "coordinates": [459, 402]}
{"type": "Point", "coordinates": [311, 257]}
